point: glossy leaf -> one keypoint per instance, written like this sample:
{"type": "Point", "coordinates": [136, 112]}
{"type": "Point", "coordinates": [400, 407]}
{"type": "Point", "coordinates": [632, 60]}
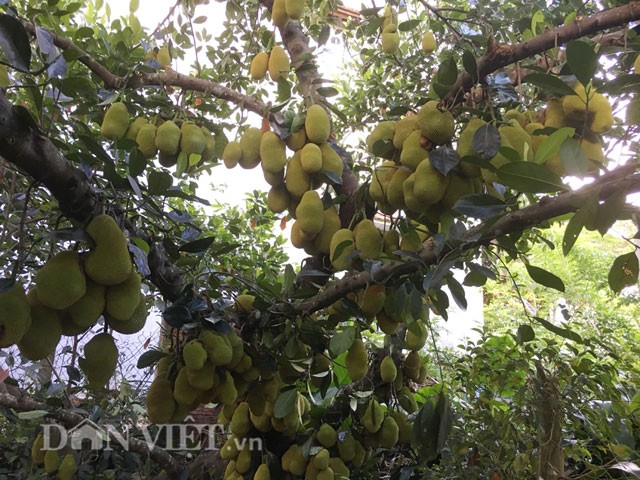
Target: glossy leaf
{"type": "Point", "coordinates": [623, 272]}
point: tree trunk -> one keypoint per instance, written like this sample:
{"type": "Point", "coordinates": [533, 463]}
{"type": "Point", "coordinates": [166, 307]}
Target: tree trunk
{"type": "Point", "coordinates": [549, 413]}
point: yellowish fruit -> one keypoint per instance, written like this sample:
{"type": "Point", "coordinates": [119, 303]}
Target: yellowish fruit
{"type": "Point", "coordinates": [429, 44]}
{"type": "Point", "coordinates": [278, 199]}
{"type": "Point", "coordinates": [330, 225]}
{"type": "Point", "coordinates": [395, 190]}
{"type": "Point", "coordinates": [390, 39]}
{"type": "Point", "coordinates": [279, 64]}
{"type": "Point", "coordinates": [259, 66]}
{"type": "Point", "coordinates": [279, 13]}
{"type": "Point", "coordinates": [146, 140]}
{"type": "Point", "coordinates": [383, 131]}
{"type": "Point", "coordinates": [100, 359]}
{"type": "Point", "coordinates": [262, 473]}
{"type": "Point", "coordinates": [240, 422]}
{"type": "Point", "coordinates": [209, 152]}
{"type": "Point", "coordinates": [327, 436]}
{"type": "Point", "coordinates": [60, 282]}
{"type": "Point", "coordinates": [232, 154]}
{"type": "Point", "coordinates": [109, 262]}
{"type": "Point", "coordinates": [272, 153]}
{"type": "Point", "coordinates": [134, 128]}
{"type": "Point", "coordinates": [554, 114]}
{"type": "Point", "coordinates": [168, 138]}
{"type": "Point", "coordinates": [311, 158]}
{"type": "Point", "coordinates": [15, 315]}
{"type": "Point", "coordinates": [44, 332]}
{"type": "Point", "coordinates": [403, 128]}
{"type": "Point", "coordinates": [135, 322]}
{"type": "Point", "coordinates": [429, 185]}
{"type": "Point", "coordinates": [296, 179]}
{"type": "Point", "coordinates": [371, 300]}
{"type": "Point", "coordinates": [297, 140]}
{"type": "Point", "coordinates": [317, 124]}
{"type": "Point", "coordinates": [341, 248]}
{"type": "Point", "coordinates": [388, 370]}
{"type": "Point", "coordinates": [357, 361]}
{"type": "Point", "coordinates": [250, 145]}
{"type": "Point", "coordinates": [331, 161]}
{"type": "Point", "coordinates": [51, 461]}
{"type": "Point", "coordinates": [123, 299]}
{"type": "Point", "coordinates": [368, 239]}
{"type": "Point", "coordinates": [517, 137]}
{"type": "Point", "coordinates": [309, 213]}
{"type": "Point", "coordinates": [294, 8]}
{"type": "Point", "coordinates": [412, 150]}
{"type": "Point", "coordinates": [192, 139]}
{"type": "Point", "coordinates": [37, 452]}
{"type": "Point", "coordinates": [115, 122]}
{"type": "Point", "coordinates": [164, 57]}
{"type": "Point", "coordinates": [346, 446]}
{"type": "Point", "coordinates": [160, 403]}
{"type": "Point", "coordinates": [411, 367]}
{"type": "Point", "coordinates": [389, 433]}
{"type": "Point", "coordinates": [437, 125]}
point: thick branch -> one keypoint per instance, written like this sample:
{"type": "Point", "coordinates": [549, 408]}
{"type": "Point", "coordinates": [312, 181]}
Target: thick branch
{"type": "Point", "coordinates": [71, 419]}
{"type": "Point", "coordinates": [623, 179]}
{"type": "Point", "coordinates": [504, 55]}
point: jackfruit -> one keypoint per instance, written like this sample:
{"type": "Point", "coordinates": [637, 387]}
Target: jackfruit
{"type": "Point", "coordinates": [278, 199]}
{"type": "Point", "coordinates": [272, 153]}
{"type": "Point", "coordinates": [134, 128]}
{"type": "Point", "coordinates": [331, 161]}
{"type": "Point", "coordinates": [168, 138]}
{"type": "Point", "coordinates": [415, 341]}
{"type": "Point", "coordinates": [15, 315]}
{"type": "Point", "coordinates": [294, 8]}
{"type": "Point", "coordinates": [429, 44]}
{"type": "Point", "coordinates": [357, 361]}
{"type": "Point", "coordinates": [516, 136]}
{"type": "Point", "coordinates": [115, 122]}
{"type": "Point", "coordinates": [389, 16]}
{"type": "Point", "coordinates": [330, 225]}
{"type": "Point", "coordinates": [279, 64]}
{"type": "Point", "coordinates": [37, 452]}
{"type": "Point", "coordinates": [194, 355]}
{"type": "Point", "coordinates": [217, 346]}
{"type": "Point", "coordinates": [388, 370]}
{"type": "Point", "coordinates": [386, 323]}
{"type": "Point", "coordinates": [465, 146]}
{"type": "Point", "coordinates": [411, 366]}
{"type": "Point", "coordinates": [429, 184]}
{"type": "Point", "coordinates": [360, 454]}
{"type": "Point", "coordinates": [250, 144]}
{"type": "Point", "coordinates": [109, 262]}
{"type": "Point", "coordinates": [279, 13]}
{"type": "Point", "coordinates": [554, 114]}
{"type": "Point", "coordinates": [203, 378]}
{"type": "Point", "coordinates": [368, 239]}
{"type": "Point", "coordinates": [232, 154]}
{"type": "Point", "coordinates": [183, 392]}
{"type": "Point", "coordinates": [317, 124]}
{"type": "Point", "coordinates": [135, 322]}
{"type": "Point", "coordinates": [298, 462]}
{"type": "Point", "coordinates": [341, 248]}
{"type": "Point", "coordinates": [326, 435]}
{"type": "Point", "coordinates": [68, 468]}
{"type": "Point", "coordinates": [405, 428]}
{"type": "Point", "coordinates": [259, 66]}
{"type": "Point", "coordinates": [309, 213]}
{"type": "Point", "coordinates": [311, 158]}
{"type": "Point", "coordinates": [346, 446]}
{"type": "Point", "coordinates": [404, 128]}
{"type": "Point", "coordinates": [436, 125]}
{"type": "Point", "coordinates": [373, 416]}
{"type": "Point", "coordinates": [389, 433]}
{"type": "Point", "coordinates": [240, 423]}
{"type": "Point", "coordinates": [244, 302]}
{"type": "Point", "coordinates": [297, 140]}
{"type": "Point", "coordinates": [296, 179]}
{"type": "Point", "coordinates": [321, 459]}
{"type": "Point", "coordinates": [209, 152]}
{"type": "Point", "coordinates": [390, 243]}
{"type": "Point", "coordinates": [100, 359]}
{"type": "Point", "coordinates": [412, 203]}
{"type": "Point", "coordinates": [243, 461]}
{"type": "Point", "coordinates": [390, 39]}
{"type": "Point", "coordinates": [229, 449]}
{"type": "Point", "coordinates": [237, 348]}
{"type": "Point", "coordinates": [458, 187]}
{"type": "Point", "coordinates": [274, 179]}
{"type": "Point", "coordinates": [407, 400]}
{"type": "Point", "coordinates": [262, 473]}
{"type": "Point", "coordinates": [340, 470]}
{"type": "Point", "coordinates": [124, 298]}
{"type": "Point", "coordinates": [371, 300]}
{"type": "Point", "coordinates": [45, 330]}
{"type": "Point", "coordinates": [395, 191]}
{"type": "Point", "coordinates": [192, 140]}
{"type": "Point", "coordinates": [160, 403]}
{"type": "Point", "coordinates": [167, 160]}
{"type": "Point", "coordinates": [383, 132]}
{"type": "Point", "coordinates": [536, 139]}
{"type": "Point", "coordinates": [60, 282]}
{"type": "Point", "coordinates": [51, 461]}
{"type": "Point", "coordinates": [413, 153]}
{"type": "Point", "coordinates": [227, 392]}
{"type": "Point", "coordinates": [146, 140]}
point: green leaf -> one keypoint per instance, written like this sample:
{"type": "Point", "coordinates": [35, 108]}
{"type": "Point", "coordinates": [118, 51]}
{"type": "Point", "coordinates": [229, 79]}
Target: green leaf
{"type": "Point", "coordinates": [582, 60]}
{"type": "Point", "coordinates": [197, 246]}
{"type": "Point", "coordinates": [563, 332]}
{"type": "Point", "coordinates": [480, 206]}
{"type": "Point", "coordinates": [159, 182]}
{"type": "Point", "coordinates": [447, 72]}
{"type": "Point", "coordinates": [549, 83]}
{"type": "Point", "coordinates": [285, 403]}
{"type": "Point", "coordinates": [573, 158]}
{"type": "Point", "coordinates": [529, 177]}
{"type": "Point", "coordinates": [327, 91]}
{"type": "Point", "coordinates": [486, 141]}
{"type": "Point", "coordinates": [325, 33]}
{"type": "Point", "coordinates": [525, 334]}
{"type": "Point", "coordinates": [609, 211]}
{"type": "Point", "coordinates": [14, 41]}
{"type": "Point", "coordinates": [32, 414]}
{"type": "Point", "coordinates": [548, 279]}
{"type": "Point", "coordinates": [457, 291]}
{"type": "Point", "coordinates": [444, 159]}
{"type": "Point", "coordinates": [576, 224]}
{"type": "Point", "coordinates": [432, 427]}
{"type": "Point", "coordinates": [341, 341]}
{"type": "Point", "coordinates": [469, 64]}
{"type": "Point", "coordinates": [150, 358]}
{"type": "Point", "coordinates": [552, 144]}
{"type": "Point", "coordinates": [623, 272]}
{"type": "Point", "coordinates": [409, 25]}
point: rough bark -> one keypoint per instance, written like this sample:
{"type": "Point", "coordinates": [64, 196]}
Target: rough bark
{"type": "Point", "coordinates": [549, 418]}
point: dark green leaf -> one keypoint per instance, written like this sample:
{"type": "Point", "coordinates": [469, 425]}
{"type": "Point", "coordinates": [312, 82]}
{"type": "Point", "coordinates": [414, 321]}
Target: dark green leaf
{"type": "Point", "coordinates": [159, 182]}
{"type": "Point", "coordinates": [147, 359]}
{"type": "Point", "coordinates": [563, 332]}
{"type": "Point", "coordinates": [529, 177]}
{"type": "Point", "coordinates": [447, 72]}
{"type": "Point", "coordinates": [469, 64]}
{"type": "Point", "coordinates": [623, 272]}
{"type": "Point", "coordinates": [549, 83]}
{"type": "Point", "coordinates": [409, 25]}
{"type": "Point", "coordinates": [486, 141]}
{"type": "Point", "coordinates": [582, 60]}
{"type": "Point", "coordinates": [609, 211]}
{"type": "Point", "coordinates": [14, 41]}
{"type": "Point", "coordinates": [548, 279]}
{"type": "Point", "coordinates": [480, 206]}
{"type": "Point", "coordinates": [327, 91]}
{"type": "Point", "coordinates": [457, 291]}
{"type": "Point", "coordinates": [325, 33]}
{"type": "Point", "coordinates": [582, 217]}
{"type": "Point", "coordinates": [525, 334]}
{"type": "Point", "coordinates": [341, 341]}
{"type": "Point", "coordinates": [285, 403]}
{"type": "Point", "coordinates": [197, 246]}
{"type": "Point", "coordinates": [444, 159]}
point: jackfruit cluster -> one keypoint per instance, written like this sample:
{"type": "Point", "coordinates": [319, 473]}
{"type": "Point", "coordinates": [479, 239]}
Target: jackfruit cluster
{"type": "Point", "coordinates": [284, 11]}
{"type": "Point", "coordinates": [164, 139]}
{"type": "Point", "coordinates": [53, 461]}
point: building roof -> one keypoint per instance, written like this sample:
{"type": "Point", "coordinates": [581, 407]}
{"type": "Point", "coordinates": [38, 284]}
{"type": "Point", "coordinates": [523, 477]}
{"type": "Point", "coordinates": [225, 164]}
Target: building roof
{"type": "Point", "coordinates": [344, 13]}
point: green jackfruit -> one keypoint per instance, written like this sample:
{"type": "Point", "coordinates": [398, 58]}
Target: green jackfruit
{"type": "Point", "coordinates": [68, 468]}
{"type": "Point", "coordinates": [404, 127]}
{"type": "Point", "coordinates": [429, 185]}
{"type": "Point", "coordinates": [45, 330]}
{"type": "Point", "coordinates": [109, 262]}
{"type": "Point", "coordinates": [279, 63]}
{"type": "Point", "coordinates": [407, 400]}
{"type": "Point", "coordinates": [416, 336]}
{"type": "Point", "coordinates": [373, 416]}
{"type": "Point", "coordinates": [357, 361]}
{"type": "Point", "coordinates": [240, 423]}
{"type": "Point", "coordinates": [192, 139]}
{"type": "Point", "coordinates": [386, 323]}
{"type": "Point", "coordinates": [227, 392]}
{"type": "Point", "coordinates": [232, 154]}
{"type": "Point", "coordinates": [554, 114]}
{"type": "Point", "coordinates": [100, 359]}
{"type": "Point", "coordinates": [262, 473]}
{"type": "Point", "coordinates": [411, 366]}
{"type": "Point", "coordinates": [390, 39]}
{"type": "Point", "coordinates": [209, 153]}
{"type": "Point", "coordinates": [321, 459]}
{"type": "Point", "coordinates": [412, 150]}
{"type": "Point", "coordinates": [160, 403]}
{"type": "Point", "coordinates": [297, 140]}
{"type": "Point", "coordinates": [15, 315]}
{"type": "Point", "coordinates": [194, 355]}
{"type": "Point", "coordinates": [259, 66]}
{"type": "Point", "coordinates": [458, 187]}
{"type": "Point", "coordinates": [294, 8]}
{"type": "Point", "coordinates": [465, 146]}
{"type": "Point", "coordinates": [309, 213]}
{"type": "Point", "coordinates": [429, 44]}
{"type": "Point", "coordinates": [123, 299]}
{"type": "Point", "coordinates": [389, 16]}
{"type": "Point", "coordinates": [168, 138]}
{"type": "Point", "coordinates": [388, 370]}
{"type": "Point", "coordinates": [272, 153]}
{"type": "Point", "coordinates": [395, 188]}
{"type": "Point", "coordinates": [371, 300]}
{"type": "Point", "coordinates": [296, 179]}
{"type": "Point", "coordinates": [341, 248]}
{"type": "Point", "coordinates": [183, 392]}
{"type": "Point", "coordinates": [389, 433]}
{"type": "Point", "coordinates": [146, 140]}
{"type": "Point", "coordinates": [326, 435]}
{"type": "Point", "coordinates": [51, 461]}
{"type": "Point", "coordinates": [368, 239]}
{"type": "Point", "coordinates": [278, 199]}
{"type": "Point", "coordinates": [218, 349]}
{"type": "Point", "coordinates": [346, 446]}
{"type": "Point", "coordinates": [134, 128]}
{"type": "Point", "coordinates": [135, 322]}
{"type": "Point", "coordinates": [250, 144]}
{"type": "Point", "coordinates": [340, 470]}
{"type": "Point", "coordinates": [330, 225]}
{"type": "Point", "coordinates": [405, 427]}
{"type": "Point", "coordinates": [279, 13]}
{"type": "Point", "coordinates": [331, 161]}
{"type": "Point", "coordinates": [60, 282]}
{"type": "Point", "coordinates": [311, 158]}
{"type": "Point", "coordinates": [115, 122]}
{"type": "Point", "coordinates": [436, 125]}
{"type": "Point", "coordinates": [203, 378]}
{"type": "Point", "coordinates": [274, 179]}
{"type": "Point", "coordinates": [317, 124]}
{"type": "Point", "coordinates": [37, 452]}
{"type": "Point", "coordinates": [518, 138]}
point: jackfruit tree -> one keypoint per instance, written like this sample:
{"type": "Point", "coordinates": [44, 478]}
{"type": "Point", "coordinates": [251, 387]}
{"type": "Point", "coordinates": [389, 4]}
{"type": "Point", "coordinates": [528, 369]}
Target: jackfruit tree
{"type": "Point", "coordinates": [452, 138]}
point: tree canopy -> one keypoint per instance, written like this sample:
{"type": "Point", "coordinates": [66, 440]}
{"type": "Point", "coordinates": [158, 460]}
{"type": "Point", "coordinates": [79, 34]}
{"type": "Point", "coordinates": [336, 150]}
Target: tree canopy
{"type": "Point", "coordinates": [459, 136]}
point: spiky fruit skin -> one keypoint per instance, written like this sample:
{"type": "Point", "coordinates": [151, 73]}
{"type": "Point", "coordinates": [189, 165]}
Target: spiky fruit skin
{"type": "Point", "coordinates": [327, 436]}
{"type": "Point", "coordinates": [317, 124]}
{"type": "Point", "coordinates": [429, 185]}
{"type": "Point", "coordinates": [115, 122]}
{"type": "Point", "coordinates": [294, 8]}
{"type": "Point", "coordinates": [209, 152]}
{"type": "Point", "coordinates": [51, 461]}
{"type": "Point", "coordinates": [240, 423]}
{"type": "Point", "coordinates": [341, 248]}
{"type": "Point", "coordinates": [68, 468]}
{"type": "Point", "coordinates": [429, 44]}
{"type": "Point", "coordinates": [262, 473]}
{"type": "Point", "coordinates": [438, 126]}
{"type": "Point", "coordinates": [15, 315]}
{"type": "Point", "coordinates": [250, 144]}
{"type": "Point", "coordinates": [232, 154]}
{"type": "Point", "coordinates": [259, 66]}
{"type": "Point", "coordinates": [330, 225]}
{"type": "Point", "coordinates": [390, 39]}
{"type": "Point", "coordinates": [278, 199]}
{"type": "Point", "coordinates": [309, 213]}
{"type": "Point", "coordinates": [146, 140]}
{"type": "Point", "coordinates": [168, 138]}
{"type": "Point", "coordinates": [135, 322]}
{"type": "Point", "coordinates": [272, 153]}
{"type": "Point", "coordinates": [373, 416]}
{"type": "Point", "coordinates": [194, 355]}
{"type": "Point", "coordinates": [60, 282]}
{"type": "Point", "coordinates": [395, 188]}
{"type": "Point", "coordinates": [388, 370]}
{"type": "Point", "coordinates": [416, 340]}
{"type": "Point", "coordinates": [279, 13]}
{"type": "Point", "coordinates": [311, 158]}
{"type": "Point", "coordinates": [368, 239]}
{"type": "Point", "coordinates": [279, 63]}
{"type": "Point", "coordinates": [160, 403]}
{"type": "Point", "coordinates": [297, 181]}
{"type": "Point", "coordinates": [219, 351]}
{"type": "Point", "coordinates": [357, 361]}
{"type": "Point", "coordinates": [134, 128]}
{"type": "Point", "coordinates": [346, 447]}
{"type": "Point", "coordinates": [44, 332]}
{"type": "Point", "coordinates": [123, 299]}
{"type": "Point", "coordinates": [331, 161]}
{"type": "Point", "coordinates": [517, 137]}
{"type": "Point", "coordinates": [465, 146]}
{"type": "Point", "coordinates": [192, 140]}
{"type": "Point", "coordinates": [100, 359]}
{"type": "Point", "coordinates": [109, 263]}
{"type": "Point", "coordinates": [389, 433]}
